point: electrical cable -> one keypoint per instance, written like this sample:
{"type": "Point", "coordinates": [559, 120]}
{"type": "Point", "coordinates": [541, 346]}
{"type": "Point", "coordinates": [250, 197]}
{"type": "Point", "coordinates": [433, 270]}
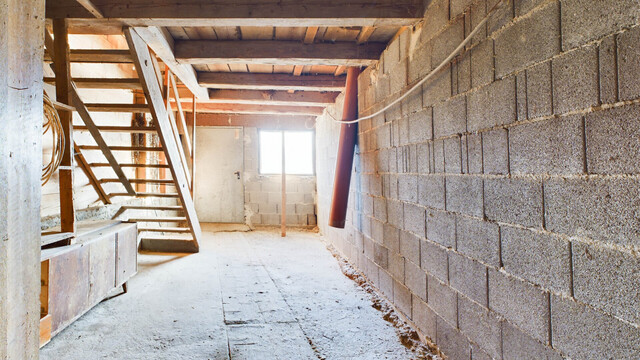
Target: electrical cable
{"type": "Point", "coordinates": [438, 68]}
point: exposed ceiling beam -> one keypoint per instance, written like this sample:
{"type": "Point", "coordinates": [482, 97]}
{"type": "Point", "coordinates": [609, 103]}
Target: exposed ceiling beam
{"type": "Point", "coordinates": [218, 80]}
{"type": "Point", "coordinates": [310, 34]}
{"type": "Point", "coordinates": [103, 83]}
{"type": "Point", "coordinates": [365, 33]}
{"type": "Point", "coordinates": [266, 97]}
{"type": "Point", "coordinates": [88, 5]}
{"type": "Point", "coordinates": [289, 13]}
{"type": "Point", "coordinates": [112, 56]}
{"type": "Point", "coordinates": [277, 52]}
{"type": "Point", "coordinates": [292, 122]}
{"type": "Point", "coordinates": [161, 42]}
{"type": "Point", "coordinates": [253, 109]}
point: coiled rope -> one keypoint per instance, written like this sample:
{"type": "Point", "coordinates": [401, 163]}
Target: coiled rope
{"type": "Point", "coordinates": [52, 123]}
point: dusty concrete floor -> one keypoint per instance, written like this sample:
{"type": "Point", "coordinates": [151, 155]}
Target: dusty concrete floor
{"type": "Point", "coordinates": [247, 295]}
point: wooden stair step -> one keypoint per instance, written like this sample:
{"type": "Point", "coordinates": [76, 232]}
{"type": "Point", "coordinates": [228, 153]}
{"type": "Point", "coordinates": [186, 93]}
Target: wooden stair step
{"type": "Point", "coordinates": [133, 108]}
{"type": "Point", "coordinates": [168, 245]}
{"type": "Point", "coordinates": [103, 83]}
{"type": "Point", "coordinates": [165, 229]}
{"type": "Point", "coordinates": [152, 207]}
{"type": "Point", "coordinates": [153, 166]}
{"type": "Point", "coordinates": [140, 181]}
{"type": "Point", "coordinates": [158, 219]}
{"type": "Point", "coordinates": [122, 148]}
{"type": "Point", "coordinates": [125, 129]}
{"type": "Point", "coordinates": [144, 194]}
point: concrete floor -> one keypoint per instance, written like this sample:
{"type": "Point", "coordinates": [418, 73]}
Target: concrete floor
{"type": "Point", "coordinates": [250, 295]}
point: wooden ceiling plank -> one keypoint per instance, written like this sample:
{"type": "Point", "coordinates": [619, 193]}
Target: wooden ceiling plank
{"type": "Point", "coordinates": [221, 108]}
{"type": "Point", "coordinates": [271, 81]}
{"type": "Point", "coordinates": [310, 35]}
{"type": "Point", "coordinates": [277, 53]}
{"type": "Point", "coordinates": [291, 122]}
{"type": "Point", "coordinates": [364, 34]}
{"type": "Point", "coordinates": [87, 4]}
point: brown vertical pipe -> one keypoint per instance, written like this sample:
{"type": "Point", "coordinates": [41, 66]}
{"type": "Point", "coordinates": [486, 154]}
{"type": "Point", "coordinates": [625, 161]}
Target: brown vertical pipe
{"type": "Point", "coordinates": [346, 147]}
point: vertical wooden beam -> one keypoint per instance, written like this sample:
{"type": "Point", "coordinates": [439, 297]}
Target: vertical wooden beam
{"type": "Point", "coordinates": [63, 95]}
{"type": "Point", "coordinates": [283, 220]}
{"type": "Point", "coordinates": [139, 139]}
{"type": "Point", "coordinates": [193, 147]}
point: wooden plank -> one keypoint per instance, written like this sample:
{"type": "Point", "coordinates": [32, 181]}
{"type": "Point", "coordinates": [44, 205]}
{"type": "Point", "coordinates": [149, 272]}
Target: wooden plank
{"type": "Point", "coordinates": [102, 83]}
{"type": "Point", "coordinates": [90, 7]}
{"type": "Point", "coordinates": [126, 108]}
{"type": "Point", "coordinates": [165, 229]}
{"type": "Point", "coordinates": [194, 111]}
{"type": "Point", "coordinates": [271, 81]}
{"type": "Point", "coordinates": [162, 45]}
{"type": "Point", "coordinates": [182, 124]}
{"type": "Point", "coordinates": [121, 148]}
{"type": "Point", "coordinates": [141, 55]}
{"type": "Point", "coordinates": [126, 254]}
{"type": "Point", "coordinates": [289, 122]}
{"type": "Point", "coordinates": [158, 219]}
{"type": "Point", "coordinates": [126, 129]}
{"type": "Point", "coordinates": [266, 97]}
{"type": "Point", "coordinates": [140, 181]}
{"type": "Point", "coordinates": [277, 52]}
{"type": "Point", "coordinates": [365, 33]}
{"type": "Point", "coordinates": [152, 207]}
{"type": "Point", "coordinates": [45, 330]}
{"type": "Point", "coordinates": [310, 34]}
{"type": "Point", "coordinates": [109, 56]}
{"type": "Point", "coordinates": [153, 166]}
{"type": "Point", "coordinates": [248, 13]}
{"type": "Point", "coordinates": [140, 194]}
{"type": "Point", "coordinates": [62, 67]}
{"type": "Point", "coordinates": [102, 145]}
{"type": "Point", "coordinates": [50, 238]}
{"type": "Point", "coordinates": [93, 180]}
{"type": "Point", "coordinates": [255, 109]}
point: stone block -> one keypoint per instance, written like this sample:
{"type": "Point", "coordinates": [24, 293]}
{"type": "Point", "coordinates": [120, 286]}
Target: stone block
{"type": "Point", "coordinates": [380, 208]}
{"type": "Point", "coordinates": [613, 140]}
{"type": "Point", "coordinates": [539, 93]}
{"type": "Point", "coordinates": [514, 200]}
{"type": "Point", "coordinates": [420, 127]}
{"type": "Point", "coordinates": [468, 277]}
{"type": "Point", "coordinates": [521, 95]}
{"type": "Point", "coordinates": [423, 317]}
{"type": "Point", "coordinates": [385, 283]}
{"type": "Point", "coordinates": [443, 300]}
{"type": "Point", "coordinates": [408, 188]}
{"type": "Point", "coordinates": [482, 69]}
{"type": "Point", "coordinates": [415, 279]}
{"type": "Point", "coordinates": [438, 156]}
{"type": "Point", "coordinates": [517, 345]}
{"type": "Point", "coordinates": [607, 64]}
{"type": "Point", "coordinates": [396, 266]}
{"type": "Point", "coordinates": [583, 20]}
{"type": "Point", "coordinates": [492, 105]}
{"type": "Point", "coordinates": [575, 80]}
{"type": "Point", "coordinates": [419, 62]}
{"type": "Point", "coordinates": [607, 279]}
{"type": "Point", "coordinates": [402, 298]}
{"type": "Point", "coordinates": [521, 303]}
{"type": "Point", "coordinates": [437, 88]}
{"type": "Point", "coordinates": [629, 63]}
{"type": "Point", "coordinates": [446, 41]}
{"type": "Point", "coordinates": [434, 260]}
{"type": "Point", "coordinates": [604, 209]}
{"type": "Point", "coordinates": [537, 257]}
{"type": "Point", "coordinates": [452, 342]}
{"type": "Point", "coordinates": [584, 333]}
{"type": "Point", "coordinates": [481, 326]}
{"type": "Point", "coordinates": [395, 213]}
{"type": "Point", "coordinates": [452, 155]}
{"type": "Point", "coordinates": [431, 191]}
{"type": "Point", "coordinates": [437, 15]}
{"type": "Point", "coordinates": [410, 247]}
{"type": "Point", "coordinates": [464, 195]}
{"type": "Point", "coordinates": [474, 153]}
{"type": "Point", "coordinates": [495, 151]}
{"type": "Point", "coordinates": [391, 238]}
{"type": "Point", "coordinates": [414, 219]}
{"type": "Point", "coordinates": [424, 159]}
{"type": "Point", "coordinates": [531, 39]}
{"type": "Point", "coordinates": [554, 146]}
{"type": "Point", "coordinates": [450, 117]}
{"type": "Point", "coordinates": [441, 228]}
{"type": "Point", "coordinates": [479, 240]}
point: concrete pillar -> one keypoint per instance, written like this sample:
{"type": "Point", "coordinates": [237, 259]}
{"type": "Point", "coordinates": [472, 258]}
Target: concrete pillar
{"type": "Point", "coordinates": [21, 49]}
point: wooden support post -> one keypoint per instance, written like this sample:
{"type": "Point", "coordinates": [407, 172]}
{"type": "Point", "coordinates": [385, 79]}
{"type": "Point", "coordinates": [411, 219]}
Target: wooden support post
{"type": "Point", "coordinates": [193, 147]}
{"type": "Point", "coordinates": [139, 139]}
{"type": "Point", "coordinates": [283, 221]}
{"type": "Point", "coordinates": [63, 95]}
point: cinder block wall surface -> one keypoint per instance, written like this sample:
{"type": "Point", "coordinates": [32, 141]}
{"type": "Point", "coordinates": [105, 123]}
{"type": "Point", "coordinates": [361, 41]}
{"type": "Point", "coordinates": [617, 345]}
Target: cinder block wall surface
{"type": "Point", "coordinates": [498, 207]}
{"type": "Point", "coordinates": [263, 193]}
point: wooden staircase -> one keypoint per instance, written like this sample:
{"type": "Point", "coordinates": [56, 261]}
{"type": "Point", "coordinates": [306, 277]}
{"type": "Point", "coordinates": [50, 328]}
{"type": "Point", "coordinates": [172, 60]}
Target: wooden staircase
{"type": "Point", "coordinates": [157, 233]}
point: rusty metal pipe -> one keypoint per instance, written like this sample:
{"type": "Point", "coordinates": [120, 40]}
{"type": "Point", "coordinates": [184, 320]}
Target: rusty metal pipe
{"type": "Point", "coordinates": [346, 148]}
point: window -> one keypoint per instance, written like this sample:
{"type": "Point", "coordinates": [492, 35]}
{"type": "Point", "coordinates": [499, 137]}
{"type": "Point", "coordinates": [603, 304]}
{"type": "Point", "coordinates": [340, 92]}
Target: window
{"type": "Point", "coordinates": [298, 152]}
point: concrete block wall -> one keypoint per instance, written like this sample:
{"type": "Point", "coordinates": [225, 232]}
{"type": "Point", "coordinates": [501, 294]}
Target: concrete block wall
{"type": "Point", "coordinates": [498, 206]}
{"type": "Point", "coordinates": [263, 196]}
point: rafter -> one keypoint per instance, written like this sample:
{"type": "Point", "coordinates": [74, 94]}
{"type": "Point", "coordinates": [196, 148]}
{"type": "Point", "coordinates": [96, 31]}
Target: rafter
{"type": "Point", "coordinates": [254, 109]}
{"type": "Point", "coordinates": [266, 97]}
{"type": "Point", "coordinates": [277, 52]}
{"type": "Point", "coordinates": [293, 122]}
{"type": "Point", "coordinates": [271, 81]}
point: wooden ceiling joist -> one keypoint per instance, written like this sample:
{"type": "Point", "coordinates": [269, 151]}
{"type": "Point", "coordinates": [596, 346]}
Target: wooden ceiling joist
{"type": "Point", "coordinates": [253, 109]}
{"type": "Point", "coordinates": [289, 13]}
{"type": "Point", "coordinates": [277, 53]}
{"type": "Point", "coordinates": [113, 56]}
{"type": "Point", "coordinates": [265, 97]}
{"type": "Point", "coordinates": [271, 81]}
{"type": "Point", "coordinates": [103, 83]}
{"type": "Point", "coordinates": [263, 121]}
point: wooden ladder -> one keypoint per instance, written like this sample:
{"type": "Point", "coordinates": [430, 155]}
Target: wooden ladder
{"type": "Point", "coordinates": [176, 144]}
